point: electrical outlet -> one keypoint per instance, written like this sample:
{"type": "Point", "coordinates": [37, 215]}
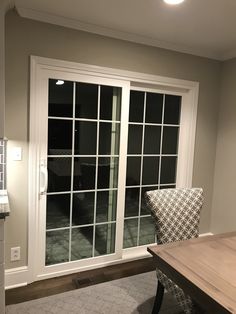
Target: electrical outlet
{"type": "Point", "coordinates": [15, 253]}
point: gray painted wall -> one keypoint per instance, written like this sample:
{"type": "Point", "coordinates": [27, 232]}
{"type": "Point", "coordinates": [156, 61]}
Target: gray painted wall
{"type": "Point", "coordinates": [25, 37]}
{"type": "Point", "coordinates": [223, 216]}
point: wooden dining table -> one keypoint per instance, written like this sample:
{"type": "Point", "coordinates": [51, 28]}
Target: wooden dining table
{"type": "Point", "coordinates": [205, 268]}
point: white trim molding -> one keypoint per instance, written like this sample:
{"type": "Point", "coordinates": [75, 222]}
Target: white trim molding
{"type": "Point", "coordinates": [16, 277]}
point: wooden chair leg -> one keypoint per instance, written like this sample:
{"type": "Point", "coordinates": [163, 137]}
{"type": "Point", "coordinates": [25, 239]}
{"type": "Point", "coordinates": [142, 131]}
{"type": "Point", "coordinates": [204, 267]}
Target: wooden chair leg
{"type": "Point", "coordinates": [158, 298]}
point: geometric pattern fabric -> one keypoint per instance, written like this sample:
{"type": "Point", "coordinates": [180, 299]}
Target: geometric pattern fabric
{"type": "Point", "coordinates": [177, 215]}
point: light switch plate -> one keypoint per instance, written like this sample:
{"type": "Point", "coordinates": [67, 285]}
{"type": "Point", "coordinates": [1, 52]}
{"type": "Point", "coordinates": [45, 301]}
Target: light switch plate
{"type": "Point", "coordinates": [17, 153]}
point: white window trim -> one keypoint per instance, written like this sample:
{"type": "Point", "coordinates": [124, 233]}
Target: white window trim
{"type": "Point", "coordinates": [189, 91]}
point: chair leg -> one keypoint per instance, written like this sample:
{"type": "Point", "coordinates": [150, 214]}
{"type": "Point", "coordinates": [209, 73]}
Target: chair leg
{"type": "Point", "coordinates": [158, 298]}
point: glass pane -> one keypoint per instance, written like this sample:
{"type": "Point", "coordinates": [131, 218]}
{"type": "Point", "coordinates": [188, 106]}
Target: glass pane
{"type": "Point", "coordinates": [136, 106]}
{"type": "Point", "coordinates": [110, 103]}
{"type": "Point", "coordinates": [58, 211]}
{"type": "Point", "coordinates": [59, 137]}
{"type": "Point", "coordinates": [84, 173]}
{"type": "Point", "coordinates": [150, 170]}
{"type": "Point", "coordinates": [105, 239]}
{"type": "Point", "coordinates": [172, 109]}
{"type": "Point", "coordinates": [85, 138]}
{"type": "Point", "coordinates": [147, 231]}
{"type": "Point", "coordinates": [168, 169]}
{"type": "Point", "coordinates": [57, 247]}
{"type": "Point", "coordinates": [107, 172]}
{"type": "Point", "coordinates": [81, 243]}
{"type": "Point", "coordinates": [170, 140]}
{"type": "Point", "coordinates": [83, 208]}
{"type": "Point", "coordinates": [106, 206]}
{"type": "Point", "coordinates": [152, 139]}
{"type": "Point", "coordinates": [135, 139]}
{"type": "Point", "coordinates": [144, 209]}
{"type": "Point", "coordinates": [154, 105]}
{"type": "Point", "coordinates": [60, 99]}
{"type": "Point", "coordinates": [109, 135]}
{"type": "Point", "coordinates": [133, 171]}
{"type": "Point", "coordinates": [130, 233]}
{"type": "Point", "coordinates": [59, 174]}
{"type": "Point", "coordinates": [132, 202]}
{"type": "Point", "coordinates": [86, 101]}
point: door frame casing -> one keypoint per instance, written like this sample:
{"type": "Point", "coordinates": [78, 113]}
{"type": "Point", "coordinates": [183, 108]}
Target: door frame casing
{"type": "Point", "coordinates": [188, 90]}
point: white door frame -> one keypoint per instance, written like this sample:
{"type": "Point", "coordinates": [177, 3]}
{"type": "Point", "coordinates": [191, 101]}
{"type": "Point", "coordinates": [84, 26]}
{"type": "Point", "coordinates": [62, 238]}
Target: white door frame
{"type": "Point", "coordinates": [189, 92]}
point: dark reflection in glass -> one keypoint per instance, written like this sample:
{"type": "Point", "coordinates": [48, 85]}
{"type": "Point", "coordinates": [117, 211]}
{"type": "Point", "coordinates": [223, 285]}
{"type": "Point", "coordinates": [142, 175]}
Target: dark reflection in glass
{"type": "Point", "coordinates": [58, 211]}
{"type": "Point", "coordinates": [144, 208]}
{"type": "Point", "coordinates": [106, 206]}
{"type": "Point", "coordinates": [136, 106]}
{"type": "Point", "coordinates": [60, 99]}
{"type": "Point", "coordinates": [152, 139]}
{"type": "Point", "coordinates": [130, 233]}
{"type": "Point", "coordinates": [150, 170]}
{"type": "Point", "coordinates": [147, 231]}
{"type": "Point", "coordinates": [154, 105]}
{"type": "Point", "coordinates": [84, 173]}
{"type": "Point", "coordinates": [110, 103]}
{"type": "Point", "coordinates": [59, 137]}
{"type": "Point", "coordinates": [167, 187]}
{"type": "Point", "coordinates": [135, 139]}
{"type": "Point", "coordinates": [105, 239]}
{"type": "Point", "coordinates": [57, 247]}
{"type": "Point", "coordinates": [109, 136]}
{"type": "Point", "coordinates": [132, 202]}
{"type": "Point", "coordinates": [59, 174]}
{"type": "Point", "coordinates": [83, 208]}
{"type": "Point", "coordinates": [172, 109]}
{"type": "Point", "coordinates": [81, 243]}
{"type": "Point", "coordinates": [168, 170]}
{"type": "Point", "coordinates": [133, 171]}
{"type": "Point", "coordinates": [85, 138]}
{"type": "Point", "coordinates": [170, 140]}
{"type": "Point", "coordinates": [107, 172]}
{"type": "Point", "coordinates": [86, 101]}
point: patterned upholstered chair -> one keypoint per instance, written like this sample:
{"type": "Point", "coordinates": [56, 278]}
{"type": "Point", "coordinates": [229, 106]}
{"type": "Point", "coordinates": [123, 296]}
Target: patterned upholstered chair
{"type": "Point", "coordinates": [177, 215]}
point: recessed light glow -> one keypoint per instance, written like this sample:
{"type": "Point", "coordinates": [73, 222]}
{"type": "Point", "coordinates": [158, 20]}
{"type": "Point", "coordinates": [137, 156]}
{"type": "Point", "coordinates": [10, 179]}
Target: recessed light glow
{"type": "Point", "coordinates": [173, 1]}
{"type": "Point", "coordinates": [59, 82]}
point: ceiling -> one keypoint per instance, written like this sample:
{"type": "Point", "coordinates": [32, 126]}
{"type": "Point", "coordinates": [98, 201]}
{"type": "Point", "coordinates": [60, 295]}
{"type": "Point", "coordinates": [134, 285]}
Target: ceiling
{"type": "Point", "coordinates": [200, 27]}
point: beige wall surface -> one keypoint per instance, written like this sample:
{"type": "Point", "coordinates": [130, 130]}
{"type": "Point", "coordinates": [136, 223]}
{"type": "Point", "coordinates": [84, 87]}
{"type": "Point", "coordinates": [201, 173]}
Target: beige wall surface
{"type": "Point", "coordinates": [25, 37]}
{"type": "Point", "coordinates": [224, 197]}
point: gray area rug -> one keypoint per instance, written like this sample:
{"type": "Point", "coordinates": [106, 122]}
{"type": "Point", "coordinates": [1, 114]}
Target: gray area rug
{"type": "Point", "coordinates": [128, 295]}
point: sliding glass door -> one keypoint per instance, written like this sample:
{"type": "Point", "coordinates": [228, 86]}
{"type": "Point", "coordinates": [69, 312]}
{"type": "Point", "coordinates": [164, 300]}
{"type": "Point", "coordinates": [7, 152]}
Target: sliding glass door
{"type": "Point", "coordinates": [153, 135]}
{"type": "Point", "coordinates": [82, 162]}
{"type": "Point", "coordinates": [98, 142]}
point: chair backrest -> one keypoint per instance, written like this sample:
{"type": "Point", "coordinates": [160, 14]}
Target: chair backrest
{"type": "Point", "coordinates": [176, 213]}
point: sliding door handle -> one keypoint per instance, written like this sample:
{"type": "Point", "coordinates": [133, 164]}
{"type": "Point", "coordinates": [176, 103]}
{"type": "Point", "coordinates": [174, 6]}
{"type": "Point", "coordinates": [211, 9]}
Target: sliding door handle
{"type": "Point", "coordinates": [43, 181]}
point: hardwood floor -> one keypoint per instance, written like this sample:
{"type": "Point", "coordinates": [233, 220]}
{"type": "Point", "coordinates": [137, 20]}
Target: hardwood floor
{"type": "Point", "coordinates": [61, 284]}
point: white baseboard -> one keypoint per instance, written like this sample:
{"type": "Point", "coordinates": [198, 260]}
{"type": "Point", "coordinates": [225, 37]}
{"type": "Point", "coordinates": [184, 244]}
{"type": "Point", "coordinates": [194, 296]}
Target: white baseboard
{"type": "Point", "coordinates": [16, 277]}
